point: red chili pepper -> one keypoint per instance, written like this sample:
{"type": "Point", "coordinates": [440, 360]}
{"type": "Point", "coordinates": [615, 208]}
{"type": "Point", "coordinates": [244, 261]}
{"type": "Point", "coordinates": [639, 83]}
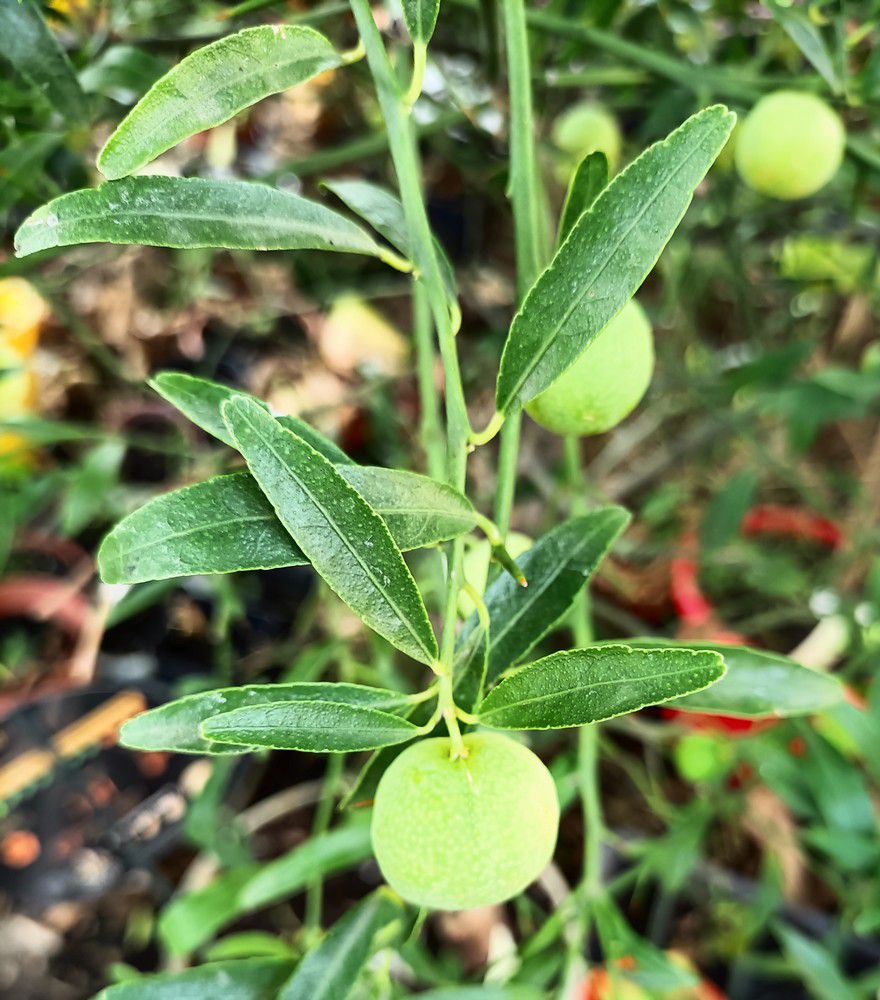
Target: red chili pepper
{"type": "Point", "coordinates": [793, 522]}
{"type": "Point", "coordinates": [699, 619]}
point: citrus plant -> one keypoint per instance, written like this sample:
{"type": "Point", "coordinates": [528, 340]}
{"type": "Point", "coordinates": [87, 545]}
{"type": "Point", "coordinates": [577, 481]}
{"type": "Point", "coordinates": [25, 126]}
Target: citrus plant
{"type": "Point", "coordinates": [463, 813]}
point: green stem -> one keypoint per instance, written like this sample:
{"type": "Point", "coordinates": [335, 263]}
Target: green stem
{"type": "Point", "coordinates": [698, 79]}
{"type": "Point", "coordinates": [420, 52]}
{"type": "Point", "coordinates": [524, 190]}
{"type": "Point", "coordinates": [405, 155]}
{"type": "Point", "coordinates": [588, 737]}
{"type": "Point", "coordinates": [430, 431]}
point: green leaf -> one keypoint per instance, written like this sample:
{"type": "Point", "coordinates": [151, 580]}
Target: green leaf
{"type": "Point", "coordinates": [585, 186]}
{"type": "Point", "coordinates": [727, 509]}
{"type": "Point", "coordinates": [384, 212]}
{"type": "Point", "coordinates": [34, 53]}
{"type": "Point", "coordinates": [796, 23]}
{"type": "Point", "coordinates": [418, 510]}
{"type": "Point", "coordinates": [248, 979]}
{"type": "Point", "coordinates": [311, 726]}
{"type": "Point", "coordinates": [815, 966]}
{"type": "Point", "coordinates": [581, 686]}
{"type": "Point", "coordinates": [188, 921]}
{"type": "Point", "coordinates": [557, 567]}
{"type": "Point", "coordinates": [226, 525]}
{"type": "Point", "coordinates": [341, 535]}
{"type": "Point", "coordinates": [330, 971]}
{"type": "Point", "coordinates": [176, 726]}
{"type": "Point", "coordinates": [210, 86]}
{"type": "Point", "coordinates": [421, 19]}
{"type": "Point", "coordinates": [248, 944]}
{"type": "Point", "coordinates": [757, 683]}
{"type": "Point", "coordinates": [606, 256]}
{"type": "Point", "coordinates": [190, 212]}
{"type": "Point", "coordinates": [200, 400]}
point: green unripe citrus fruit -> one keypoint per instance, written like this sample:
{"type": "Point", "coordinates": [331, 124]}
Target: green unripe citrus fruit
{"type": "Point", "coordinates": [582, 129]}
{"type": "Point", "coordinates": [475, 566]}
{"type": "Point", "coordinates": [702, 757]}
{"type": "Point", "coordinates": [607, 381]}
{"type": "Point", "coordinates": [456, 834]}
{"type": "Point", "coordinates": [789, 145]}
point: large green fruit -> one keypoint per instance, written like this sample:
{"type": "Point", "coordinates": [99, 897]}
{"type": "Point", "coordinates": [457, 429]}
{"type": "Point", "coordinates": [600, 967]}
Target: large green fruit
{"type": "Point", "coordinates": [582, 129]}
{"type": "Point", "coordinates": [456, 834]}
{"type": "Point", "coordinates": [607, 381]}
{"type": "Point", "coordinates": [790, 145]}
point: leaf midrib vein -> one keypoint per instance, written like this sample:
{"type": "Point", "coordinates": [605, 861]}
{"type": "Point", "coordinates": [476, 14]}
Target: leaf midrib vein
{"type": "Point", "coordinates": [389, 600]}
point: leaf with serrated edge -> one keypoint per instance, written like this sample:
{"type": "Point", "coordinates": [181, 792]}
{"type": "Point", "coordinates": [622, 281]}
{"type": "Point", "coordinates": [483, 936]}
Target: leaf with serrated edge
{"type": "Point", "coordinates": [187, 212]}
{"type": "Point", "coordinates": [210, 86]}
{"type": "Point", "coordinates": [757, 684]}
{"type": "Point", "coordinates": [226, 525]}
{"type": "Point", "coordinates": [581, 686]}
{"type": "Point", "coordinates": [341, 535]}
{"type": "Point", "coordinates": [606, 256]}
{"type": "Point", "coordinates": [557, 567]}
{"type": "Point", "coordinates": [175, 726]}
{"type": "Point", "coordinates": [330, 971]}
{"type": "Point", "coordinates": [310, 726]}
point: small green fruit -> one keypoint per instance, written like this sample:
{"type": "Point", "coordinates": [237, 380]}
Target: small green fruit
{"type": "Point", "coordinates": [607, 381]}
{"type": "Point", "coordinates": [457, 834]}
{"type": "Point", "coordinates": [476, 562]}
{"type": "Point", "coordinates": [790, 145]}
{"type": "Point", "coordinates": [583, 129]}
{"type": "Point", "coordinates": [702, 757]}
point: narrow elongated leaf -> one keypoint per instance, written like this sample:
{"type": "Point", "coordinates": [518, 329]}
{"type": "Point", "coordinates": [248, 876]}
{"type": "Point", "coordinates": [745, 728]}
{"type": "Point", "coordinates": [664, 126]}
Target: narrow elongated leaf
{"type": "Point", "coordinates": [211, 85]}
{"type": "Point", "coordinates": [190, 212]}
{"type": "Point", "coordinates": [606, 256]}
{"type": "Point", "coordinates": [384, 212]}
{"type": "Point", "coordinates": [247, 979]}
{"type": "Point", "coordinates": [34, 53]}
{"type": "Point", "coordinates": [421, 19]}
{"type": "Point", "coordinates": [585, 186]}
{"type": "Point", "coordinates": [582, 686]}
{"type": "Point", "coordinates": [311, 726]}
{"type": "Point", "coordinates": [332, 969]}
{"type": "Point", "coordinates": [557, 566]}
{"type": "Point", "coordinates": [176, 726]}
{"type": "Point", "coordinates": [192, 919]}
{"type": "Point", "coordinates": [799, 27]}
{"type": "Point", "coordinates": [226, 525]}
{"type": "Point", "coordinates": [342, 536]}
{"type": "Point", "coordinates": [757, 683]}
{"type": "Point", "coordinates": [200, 400]}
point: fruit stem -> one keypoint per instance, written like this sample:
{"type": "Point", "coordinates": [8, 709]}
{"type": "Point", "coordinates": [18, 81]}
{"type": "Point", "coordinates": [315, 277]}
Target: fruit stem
{"type": "Point", "coordinates": [446, 703]}
{"type": "Point", "coordinates": [418, 73]}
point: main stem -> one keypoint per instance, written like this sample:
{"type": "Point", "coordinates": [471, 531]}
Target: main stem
{"type": "Point", "coordinates": [405, 155]}
{"type": "Point", "coordinates": [588, 736]}
{"type": "Point", "coordinates": [524, 190]}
